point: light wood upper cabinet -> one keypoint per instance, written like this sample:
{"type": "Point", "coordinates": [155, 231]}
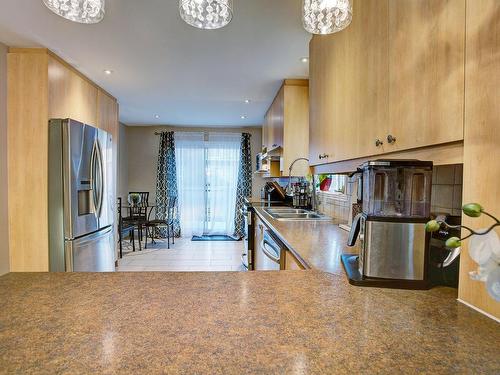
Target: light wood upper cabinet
{"type": "Point", "coordinates": [426, 57]}
{"type": "Point", "coordinates": [70, 95]}
{"type": "Point", "coordinates": [349, 86]}
{"type": "Point", "coordinates": [273, 123]}
{"type": "Point", "coordinates": [107, 113]}
{"type": "Point", "coordinates": [396, 70]}
{"type": "Point", "coordinates": [286, 125]}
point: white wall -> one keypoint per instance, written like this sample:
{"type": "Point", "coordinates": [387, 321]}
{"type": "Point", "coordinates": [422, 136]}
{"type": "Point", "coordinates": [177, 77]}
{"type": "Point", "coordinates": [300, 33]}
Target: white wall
{"type": "Point", "coordinates": [4, 244]}
{"type": "Point", "coordinates": [139, 152]}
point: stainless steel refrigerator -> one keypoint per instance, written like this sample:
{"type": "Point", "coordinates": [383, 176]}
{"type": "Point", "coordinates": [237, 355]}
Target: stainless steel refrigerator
{"type": "Point", "coordinates": [81, 198]}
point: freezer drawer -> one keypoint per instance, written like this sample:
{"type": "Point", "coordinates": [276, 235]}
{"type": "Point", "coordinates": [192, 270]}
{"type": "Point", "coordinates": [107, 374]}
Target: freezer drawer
{"type": "Point", "coordinates": [91, 253]}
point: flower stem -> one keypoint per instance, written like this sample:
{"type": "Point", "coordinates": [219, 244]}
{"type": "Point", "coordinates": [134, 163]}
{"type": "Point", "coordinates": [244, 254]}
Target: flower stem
{"type": "Point", "coordinates": [472, 232]}
{"type": "Point", "coordinates": [493, 217]}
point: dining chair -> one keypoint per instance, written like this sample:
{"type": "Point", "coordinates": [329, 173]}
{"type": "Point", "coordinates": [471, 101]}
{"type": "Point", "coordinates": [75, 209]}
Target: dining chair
{"type": "Point", "coordinates": [138, 214]}
{"type": "Point", "coordinates": [124, 227]}
{"type": "Point", "coordinates": [152, 226]}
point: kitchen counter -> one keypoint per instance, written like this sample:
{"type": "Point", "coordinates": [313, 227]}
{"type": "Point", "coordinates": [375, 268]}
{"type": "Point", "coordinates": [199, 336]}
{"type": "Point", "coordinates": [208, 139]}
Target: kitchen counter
{"type": "Point", "coordinates": [289, 322]}
{"type": "Point", "coordinates": [317, 244]}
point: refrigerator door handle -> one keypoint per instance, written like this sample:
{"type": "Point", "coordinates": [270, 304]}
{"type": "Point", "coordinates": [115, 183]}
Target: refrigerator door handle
{"type": "Point", "coordinates": [93, 177]}
{"type": "Point", "coordinates": [100, 182]}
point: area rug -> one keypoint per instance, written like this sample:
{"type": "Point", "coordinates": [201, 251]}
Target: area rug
{"type": "Point", "coordinates": [214, 238]}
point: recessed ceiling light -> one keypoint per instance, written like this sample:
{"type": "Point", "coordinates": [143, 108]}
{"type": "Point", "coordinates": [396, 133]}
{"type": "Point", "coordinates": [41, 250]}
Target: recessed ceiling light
{"type": "Point", "coordinates": [108, 72]}
{"type": "Point", "coordinates": [243, 117]}
{"type": "Point", "coordinates": [247, 101]}
{"type": "Point", "coordinates": [304, 59]}
{"type": "Point", "coordinates": [157, 116]}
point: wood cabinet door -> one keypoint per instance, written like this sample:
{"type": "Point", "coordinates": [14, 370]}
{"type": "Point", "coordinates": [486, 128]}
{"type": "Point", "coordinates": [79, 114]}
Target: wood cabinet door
{"type": "Point", "coordinates": [107, 113]}
{"type": "Point", "coordinates": [265, 127]}
{"type": "Point", "coordinates": [277, 126]}
{"type": "Point", "coordinates": [291, 263]}
{"type": "Point", "coordinates": [295, 133]}
{"type": "Point", "coordinates": [348, 87]}
{"type": "Point", "coordinates": [426, 55]}
{"type": "Point", "coordinates": [70, 95]}
{"type": "Point", "coordinates": [398, 70]}
{"type": "Point", "coordinates": [321, 101]}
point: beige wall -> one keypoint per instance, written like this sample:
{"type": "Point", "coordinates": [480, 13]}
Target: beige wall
{"type": "Point", "coordinates": [122, 183]}
{"type": "Point", "coordinates": [4, 245]}
{"type": "Point", "coordinates": [139, 152]}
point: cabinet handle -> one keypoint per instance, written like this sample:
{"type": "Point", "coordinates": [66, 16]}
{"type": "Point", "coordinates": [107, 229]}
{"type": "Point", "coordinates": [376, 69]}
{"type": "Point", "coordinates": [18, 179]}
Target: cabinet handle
{"type": "Point", "coordinates": [391, 139]}
{"type": "Point", "coordinates": [378, 142]}
{"type": "Point", "coordinates": [323, 156]}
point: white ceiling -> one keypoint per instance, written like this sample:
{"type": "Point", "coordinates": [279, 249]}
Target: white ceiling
{"type": "Point", "coordinates": [163, 66]}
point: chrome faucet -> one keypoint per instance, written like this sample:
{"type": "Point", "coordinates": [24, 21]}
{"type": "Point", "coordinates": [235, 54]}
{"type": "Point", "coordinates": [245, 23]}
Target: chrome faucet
{"type": "Point", "coordinates": [288, 186]}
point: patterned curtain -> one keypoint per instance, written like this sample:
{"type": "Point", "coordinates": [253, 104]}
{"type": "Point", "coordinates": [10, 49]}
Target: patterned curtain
{"type": "Point", "coordinates": [244, 188]}
{"type": "Point", "coordinates": [166, 182]}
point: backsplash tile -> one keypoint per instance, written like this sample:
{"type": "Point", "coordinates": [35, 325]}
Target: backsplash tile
{"type": "Point", "coordinates": [446, 194]}
{"type": "Point", "coordinates": [337, 206]}
{"type": "Point", "coordinates": [447, 189]}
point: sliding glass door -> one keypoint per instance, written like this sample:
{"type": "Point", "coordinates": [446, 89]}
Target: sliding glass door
{"type": "Point", "coordinates": [190, 166]}
{"type": "Point", "coordinates": [222, 161]}
{"type": "Point", "coordinates": [207, 174]}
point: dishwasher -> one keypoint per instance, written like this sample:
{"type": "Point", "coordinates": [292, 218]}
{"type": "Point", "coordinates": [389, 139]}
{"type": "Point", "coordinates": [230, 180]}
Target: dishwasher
{"type": "Point", "coordinates": [270, 253]}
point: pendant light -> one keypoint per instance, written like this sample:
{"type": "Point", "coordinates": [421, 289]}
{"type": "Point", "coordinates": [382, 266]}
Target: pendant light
{"type": "Point", "coordinates": [82, 11]}
{"type": "Point", "coordinates": [206, 14]}
{"type": "Point", "coordinates": [326, 16]}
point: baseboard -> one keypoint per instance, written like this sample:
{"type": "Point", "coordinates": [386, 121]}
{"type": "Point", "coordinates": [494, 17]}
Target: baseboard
{"type": "Point", "coordinates": [479, 310]}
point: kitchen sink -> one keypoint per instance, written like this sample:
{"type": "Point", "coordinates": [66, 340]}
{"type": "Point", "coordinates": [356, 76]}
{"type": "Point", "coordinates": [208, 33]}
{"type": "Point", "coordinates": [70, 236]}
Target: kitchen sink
{"type": "Point", "coordinates": [288, 213]}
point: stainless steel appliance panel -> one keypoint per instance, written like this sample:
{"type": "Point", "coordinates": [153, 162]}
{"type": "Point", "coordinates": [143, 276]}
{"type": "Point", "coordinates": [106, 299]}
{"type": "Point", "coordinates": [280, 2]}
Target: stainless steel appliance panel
{"type": "Point", "coordinates": [270, 253]}
{"type": "Point", "coordinates": [393, 250]}
{"type": "Point", "coordinates": [104, 179]}
{"type": "Point", "coordinates": [79, 142]}
{"type": "Point", "coordinates": [91, 253]}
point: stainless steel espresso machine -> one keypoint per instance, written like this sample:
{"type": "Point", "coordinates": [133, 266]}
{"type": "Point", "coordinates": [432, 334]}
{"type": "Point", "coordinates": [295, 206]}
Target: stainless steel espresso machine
{"type": "Point", "coordinates": [394, 245]}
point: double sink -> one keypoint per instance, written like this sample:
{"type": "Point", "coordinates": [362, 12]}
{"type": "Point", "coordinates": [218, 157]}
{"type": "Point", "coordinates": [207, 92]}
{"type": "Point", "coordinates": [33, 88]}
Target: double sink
{"type": "Point", "coordinates": [292, 214]}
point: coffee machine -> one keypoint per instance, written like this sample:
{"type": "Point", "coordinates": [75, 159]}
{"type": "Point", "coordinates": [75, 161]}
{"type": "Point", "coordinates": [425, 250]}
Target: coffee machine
{"type": "Point", "coordinates": [393, 243]}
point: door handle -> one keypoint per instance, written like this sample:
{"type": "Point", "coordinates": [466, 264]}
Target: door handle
{"type": "Point", "coordinates": [100, 187]}
{"type": "Point", "coordinates": [93, 177]}
{"type": "Point", "coordinates": [266, 251]}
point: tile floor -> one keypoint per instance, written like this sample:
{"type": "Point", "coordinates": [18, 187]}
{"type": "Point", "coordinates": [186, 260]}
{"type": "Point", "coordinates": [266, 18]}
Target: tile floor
{"type": "Point", "coordinates": [184, 255]}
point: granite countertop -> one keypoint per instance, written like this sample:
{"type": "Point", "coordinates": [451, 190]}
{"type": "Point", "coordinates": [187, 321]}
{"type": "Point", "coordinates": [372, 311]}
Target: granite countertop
{"type": "Point", "coordinates": [289, 322]}
{"type": "Point", "coordinates": [317, 244]}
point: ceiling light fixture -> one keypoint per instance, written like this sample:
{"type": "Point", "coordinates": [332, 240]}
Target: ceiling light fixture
{"type": "Point", "coordinates": [82, 11]}
{"type": "Point", "coordinates": [304, 59]}
{"type": "Point", "coordinates": [247, 101]}
{"type": "Point", "coordinates": [108, 72]}
{"type": "Point", "coordinates": [157, 116]}
{"type": "Point", "coordinates": [243, 117]}
{"type": "Point", "coordinates": [326, 16]}
{"type": "Point", "coordinates": [206, 14]}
